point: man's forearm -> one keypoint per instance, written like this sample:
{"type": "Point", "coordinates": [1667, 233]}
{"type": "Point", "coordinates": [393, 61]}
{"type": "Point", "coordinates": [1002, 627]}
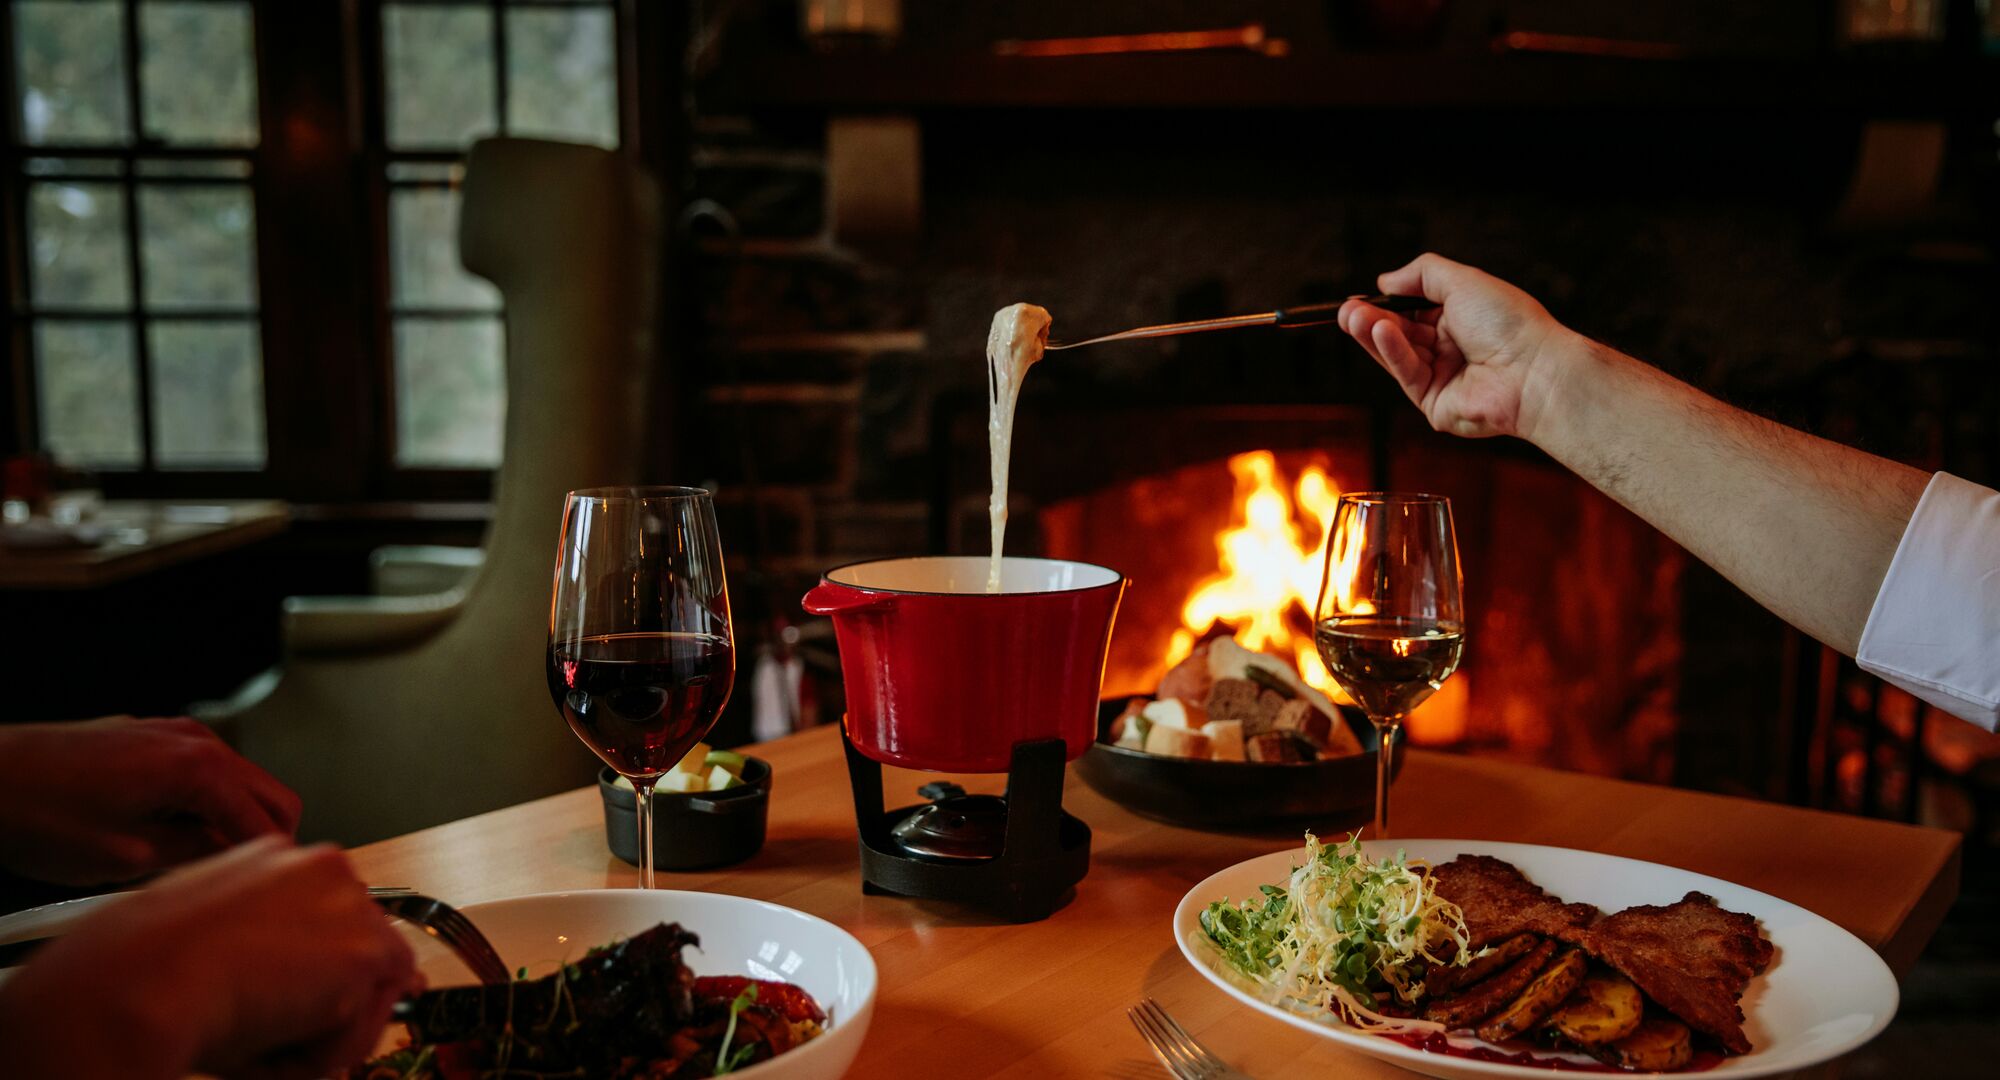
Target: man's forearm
{"type": "Point", "coordinates": [1805, 526]}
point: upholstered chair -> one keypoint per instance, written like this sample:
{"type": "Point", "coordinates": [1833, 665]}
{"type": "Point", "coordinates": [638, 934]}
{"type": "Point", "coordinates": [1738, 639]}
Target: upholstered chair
{"type": "Point", "coordinates": [393, 712]}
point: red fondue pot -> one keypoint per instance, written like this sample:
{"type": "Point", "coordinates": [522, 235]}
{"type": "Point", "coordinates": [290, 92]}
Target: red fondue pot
{"type": "Point", "coordinates": [943, 675]}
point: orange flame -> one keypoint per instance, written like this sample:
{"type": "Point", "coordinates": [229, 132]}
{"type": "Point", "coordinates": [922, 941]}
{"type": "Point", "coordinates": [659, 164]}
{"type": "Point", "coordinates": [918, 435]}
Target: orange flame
{"type": "Point", "coordinates": [1269, 564]}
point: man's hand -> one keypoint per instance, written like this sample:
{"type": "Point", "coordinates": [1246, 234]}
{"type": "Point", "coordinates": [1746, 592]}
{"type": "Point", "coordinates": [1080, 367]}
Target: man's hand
{"type": "Point", "coordinates": [1827, 521]}
{"type": "Point", "coordinates": [1471, 365]}
{"type": "Point", "coordinates": [266, 961]}
{"type": "Point", "coordinates": [115, 799]}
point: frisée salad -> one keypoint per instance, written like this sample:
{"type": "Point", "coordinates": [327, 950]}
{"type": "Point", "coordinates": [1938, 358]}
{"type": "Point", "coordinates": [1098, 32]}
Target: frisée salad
{"type": "Point", "coordinates": [1346, 934]}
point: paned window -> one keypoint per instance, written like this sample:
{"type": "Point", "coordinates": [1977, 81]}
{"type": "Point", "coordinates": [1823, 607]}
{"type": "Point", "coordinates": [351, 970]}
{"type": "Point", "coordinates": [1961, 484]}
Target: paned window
{"type": "Point", "coordinates": [139, 173]}
{"type": "Point", "coordinates": [135, 137]}
{"type": "Point", "coordinates": [451, 73]}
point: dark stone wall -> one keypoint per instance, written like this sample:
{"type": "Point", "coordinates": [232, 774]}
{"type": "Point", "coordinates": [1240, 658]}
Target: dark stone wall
{"type": "Point", "coordinates": [1708, 242]}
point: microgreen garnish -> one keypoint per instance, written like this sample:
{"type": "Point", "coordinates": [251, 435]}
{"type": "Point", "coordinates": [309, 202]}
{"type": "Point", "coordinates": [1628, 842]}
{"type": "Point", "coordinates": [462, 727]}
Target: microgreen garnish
{"type": "Point", "coordinates": [1343, 933]}
{"type": "Point", "coordinates": [727, 1061]}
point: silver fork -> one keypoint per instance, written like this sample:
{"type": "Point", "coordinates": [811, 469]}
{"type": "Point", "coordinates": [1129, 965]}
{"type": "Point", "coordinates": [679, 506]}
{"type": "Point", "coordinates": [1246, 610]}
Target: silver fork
{"type": "Point", "coordinates": [1177, 1050]}
{"type": "Point", "coordinates": [443, 922]}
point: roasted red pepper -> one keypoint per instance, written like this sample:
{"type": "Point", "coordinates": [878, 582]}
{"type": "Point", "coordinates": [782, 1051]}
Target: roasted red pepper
{"type": "Point", "coordinates": [460, 1060]}
{"type": "Point", "coordinates": [782, 998]}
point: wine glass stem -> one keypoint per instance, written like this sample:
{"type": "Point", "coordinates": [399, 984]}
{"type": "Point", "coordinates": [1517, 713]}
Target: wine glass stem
{"type": "Point", "coordinates": [1383, 770]}
{"type": "Point", "coordinates": [643, 789]}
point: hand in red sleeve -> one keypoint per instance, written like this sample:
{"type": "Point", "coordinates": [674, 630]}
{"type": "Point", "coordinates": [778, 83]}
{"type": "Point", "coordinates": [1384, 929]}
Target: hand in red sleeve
{"type": "Point", "coordinates": [267, 961]}
{"type": "Point", "coordinates": [115, 799]}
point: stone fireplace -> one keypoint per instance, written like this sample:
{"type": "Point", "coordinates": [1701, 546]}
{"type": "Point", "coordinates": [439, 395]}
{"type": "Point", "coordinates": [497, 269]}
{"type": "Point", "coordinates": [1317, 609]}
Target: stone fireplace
{"type": "Point", "coordinates": [837, 391]}
{"type": "Point", "coordinates": [1217, 514]}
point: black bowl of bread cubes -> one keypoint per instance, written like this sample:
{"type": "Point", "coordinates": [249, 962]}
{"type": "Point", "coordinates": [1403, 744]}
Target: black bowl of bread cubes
{"type": "Point", "coordinates": [1236, 739]}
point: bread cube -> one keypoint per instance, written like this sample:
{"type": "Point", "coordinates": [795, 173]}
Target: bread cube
{"type": "Point", "coordinates": [1129, 729]}
{"type": "Point", "coordinates": [1300, 718]}
{"type": "Point", "coordinates": [1189, 680]}
{"type": "Point", "coordinates": [1274, 746]}
{"type": "Point", "coordinates": [1233, 699]}
{"type": "Point", "coordinates": [1225, 740]}
{"type": "Point", "coordinates": [1340, 741]}
{"type": "Point", "coordinates": [1269, 704]}
{"type": "Point", "coordinates": [1174, 713]}
{"type": "Point", "coordinates": [1176, 742]}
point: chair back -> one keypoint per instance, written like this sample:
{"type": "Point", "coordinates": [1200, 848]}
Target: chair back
{"type": "Point", "coordinates": [458, 721]}
{"type": "Point", "coordinates": [564, 232]}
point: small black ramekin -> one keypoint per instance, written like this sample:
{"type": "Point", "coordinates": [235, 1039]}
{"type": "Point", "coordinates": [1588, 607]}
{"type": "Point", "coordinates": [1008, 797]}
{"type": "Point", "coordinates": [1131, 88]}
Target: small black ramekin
{"type": "Point", "coordinates": [691, 830]}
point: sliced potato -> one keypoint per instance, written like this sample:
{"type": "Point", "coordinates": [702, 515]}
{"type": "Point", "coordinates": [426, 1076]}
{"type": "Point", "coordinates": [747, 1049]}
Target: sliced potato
{"type": "Point", "coordinates": [1606, 1008]}
{"type": "Point", "coordinates": [1543, 996]}
{"type": "Point", "coordinates": [1657, 1045]}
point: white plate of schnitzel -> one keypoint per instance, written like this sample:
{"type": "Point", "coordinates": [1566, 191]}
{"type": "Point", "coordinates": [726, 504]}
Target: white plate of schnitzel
{"type": "Point", "coordinates": [1808, 991]}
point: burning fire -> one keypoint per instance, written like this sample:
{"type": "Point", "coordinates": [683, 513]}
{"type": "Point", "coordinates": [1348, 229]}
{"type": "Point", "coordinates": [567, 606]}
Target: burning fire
{"type": "Point", "coordinates": [1269, 565]}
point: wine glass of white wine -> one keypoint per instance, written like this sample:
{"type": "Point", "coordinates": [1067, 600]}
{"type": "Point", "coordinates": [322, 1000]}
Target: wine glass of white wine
{"type": "Point", "coordinates": [1390, 621]}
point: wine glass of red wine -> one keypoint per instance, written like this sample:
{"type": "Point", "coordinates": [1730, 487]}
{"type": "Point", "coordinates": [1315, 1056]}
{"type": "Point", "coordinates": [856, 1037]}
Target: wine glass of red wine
{"type": "Point", "coordinates": [1390, 623]}
{"type": "Point", "coordinates": [641, 657]}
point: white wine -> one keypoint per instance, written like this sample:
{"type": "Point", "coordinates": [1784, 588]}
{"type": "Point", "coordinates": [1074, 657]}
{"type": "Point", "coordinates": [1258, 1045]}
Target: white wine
{"type": "Point", "coordinates": [1389, 665]}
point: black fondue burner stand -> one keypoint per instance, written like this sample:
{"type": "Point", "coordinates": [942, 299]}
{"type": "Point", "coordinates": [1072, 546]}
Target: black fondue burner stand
{"type": "Point", "coordinates": [1043, 854]}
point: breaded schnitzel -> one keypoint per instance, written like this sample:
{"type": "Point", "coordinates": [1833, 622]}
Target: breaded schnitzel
{"type": "Point", "coordinates": [1691, 957]}
{"type": "Point", "coordinates": [1442, 979]}
{"type": "Point", "coordinates": [1499, 902]}
{"type": "Point", "coordinates": [1465, 1009]}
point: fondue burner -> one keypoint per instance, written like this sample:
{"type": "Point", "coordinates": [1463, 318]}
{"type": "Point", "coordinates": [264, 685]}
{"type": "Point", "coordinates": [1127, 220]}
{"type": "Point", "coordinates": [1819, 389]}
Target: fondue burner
{"type": "Point", "coordinates": [1018, 856]}
{"type": "Point", "coordinates": [955, 825]}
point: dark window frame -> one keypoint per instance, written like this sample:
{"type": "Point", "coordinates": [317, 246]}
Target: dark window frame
{"type": "Point", "coordinates": [325, 54]}
{"type": "Point", "coordinates": [20, 419]}
{"type": "Point", "coordinates": [376, 155]}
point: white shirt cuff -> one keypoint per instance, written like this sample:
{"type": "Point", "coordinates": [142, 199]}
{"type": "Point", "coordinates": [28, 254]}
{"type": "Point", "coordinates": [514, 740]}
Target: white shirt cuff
{"type": "Point", "coordinates": [1934, 629]}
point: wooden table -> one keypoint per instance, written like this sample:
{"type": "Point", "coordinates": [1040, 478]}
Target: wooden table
{"type": "Point", "coordinates": [963, 996]}
{"type": "Point", "coordinates": [144, 535]}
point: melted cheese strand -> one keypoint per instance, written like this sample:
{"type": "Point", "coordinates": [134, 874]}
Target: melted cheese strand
{"type": "Point", "coordinates": [1020, 333]}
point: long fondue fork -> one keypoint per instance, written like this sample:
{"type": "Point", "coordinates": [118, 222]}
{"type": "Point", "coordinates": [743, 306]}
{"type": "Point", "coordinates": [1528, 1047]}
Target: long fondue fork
{"type": "Point", "coordinates": [1287, 317]}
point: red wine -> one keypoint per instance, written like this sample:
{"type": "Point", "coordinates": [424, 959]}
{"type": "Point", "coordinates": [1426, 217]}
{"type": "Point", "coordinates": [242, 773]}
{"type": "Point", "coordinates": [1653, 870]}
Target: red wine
{"type": "Point", "coordinates": [1388, 665]}
{"type": "Point", "coordinates": [641, 700]}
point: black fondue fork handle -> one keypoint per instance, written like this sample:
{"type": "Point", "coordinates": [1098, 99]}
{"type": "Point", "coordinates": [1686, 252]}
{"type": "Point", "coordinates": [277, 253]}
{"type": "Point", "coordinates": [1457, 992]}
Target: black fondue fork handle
{"type": "Point", "coordinates": [1298, 315]}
